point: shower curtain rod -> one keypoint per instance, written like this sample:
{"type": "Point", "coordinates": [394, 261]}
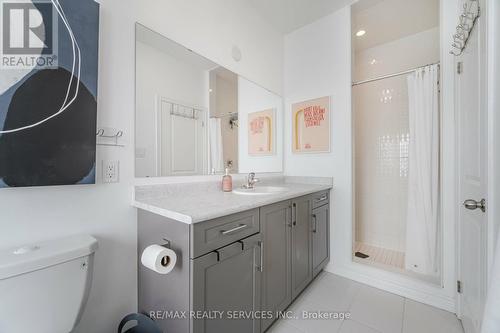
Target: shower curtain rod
{"type": "Point", "coordinates": [231, 114]}
{"type": "Point", "coordinates": [391, 75]}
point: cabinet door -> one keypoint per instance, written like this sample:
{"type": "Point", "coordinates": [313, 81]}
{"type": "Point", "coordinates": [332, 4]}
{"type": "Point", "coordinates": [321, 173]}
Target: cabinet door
{"type": "Point", "coordinates": [301, 245]}
{"type": "Point", "coordinates": [276, 222]}
{"type": "Point", "coordinates": [321, 238]}
{"type": "Point", "coordinates": [228, 281]}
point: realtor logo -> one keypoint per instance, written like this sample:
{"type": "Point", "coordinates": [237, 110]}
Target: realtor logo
{"type": "Point", "coordinates": [29, 34]}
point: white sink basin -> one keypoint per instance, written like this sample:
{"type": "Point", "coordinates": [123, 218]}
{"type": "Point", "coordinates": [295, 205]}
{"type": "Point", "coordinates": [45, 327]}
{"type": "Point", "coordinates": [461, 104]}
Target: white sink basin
{"type": "Point", "coordinates": [260, 190]}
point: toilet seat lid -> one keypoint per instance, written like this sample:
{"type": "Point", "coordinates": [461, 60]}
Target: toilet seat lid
{"type": "Point", "coordinates": [31, 257]}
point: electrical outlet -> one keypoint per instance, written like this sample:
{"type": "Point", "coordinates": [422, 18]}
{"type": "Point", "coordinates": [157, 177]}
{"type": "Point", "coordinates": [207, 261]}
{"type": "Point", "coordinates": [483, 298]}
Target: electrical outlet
{"type": "Point", "coordinates": [110, 171]}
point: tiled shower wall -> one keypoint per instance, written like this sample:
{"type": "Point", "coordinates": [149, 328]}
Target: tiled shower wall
{"type": "Point", "coordinates": [381, 143]}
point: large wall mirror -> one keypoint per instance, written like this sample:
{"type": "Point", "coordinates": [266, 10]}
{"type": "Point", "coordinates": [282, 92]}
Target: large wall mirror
{"type": "Point", "coordinates": [194, 117]}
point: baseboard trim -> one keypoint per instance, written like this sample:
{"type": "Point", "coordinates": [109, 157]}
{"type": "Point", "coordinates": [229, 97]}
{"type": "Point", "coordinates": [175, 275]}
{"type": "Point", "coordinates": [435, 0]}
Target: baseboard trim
{"type": "Point", "coordinates": [397, 284]}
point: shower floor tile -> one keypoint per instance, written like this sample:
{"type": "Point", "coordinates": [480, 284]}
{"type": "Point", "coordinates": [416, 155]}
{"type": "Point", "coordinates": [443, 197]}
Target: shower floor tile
{"type": "Point", "coordinates": [381, 256]}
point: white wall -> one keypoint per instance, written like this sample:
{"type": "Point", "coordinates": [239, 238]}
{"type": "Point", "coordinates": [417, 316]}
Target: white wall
{"type": "Point", "coordinates": [317, 63]}
{"type": "Point", "coordinates": [158, 74]}
{"type": "Point", "coordinates": [448, 21]}
{"type": "Point", "coordinates": [494, 124]}
{"type": "Point", "coordinates": [212, 28]}
{"type": "Point", "coordinates": [253, 98]}
{"type": "Point", "coordinates": [324, 72]}
{"type": "Point", "coordinates": [209, 28]}
{"type": "Point", "coordinates": [406, 53]}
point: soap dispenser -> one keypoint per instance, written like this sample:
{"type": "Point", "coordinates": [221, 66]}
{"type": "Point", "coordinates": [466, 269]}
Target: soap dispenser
{"type": "Point", "coordinates": [227, 182]}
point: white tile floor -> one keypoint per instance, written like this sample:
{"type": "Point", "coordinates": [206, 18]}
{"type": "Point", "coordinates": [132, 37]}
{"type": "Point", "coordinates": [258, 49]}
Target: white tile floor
{"type": "Point", "coordinates": [371, 311]}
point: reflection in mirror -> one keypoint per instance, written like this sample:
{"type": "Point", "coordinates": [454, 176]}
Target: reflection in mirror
{"type": "Point", "coordinates": [192, 115]}
{"type": "Point", "coordinates": [223, 123]}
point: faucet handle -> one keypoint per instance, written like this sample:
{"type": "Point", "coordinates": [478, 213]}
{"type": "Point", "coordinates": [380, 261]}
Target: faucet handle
{"type": "Point", "coordinates": [251, 180]}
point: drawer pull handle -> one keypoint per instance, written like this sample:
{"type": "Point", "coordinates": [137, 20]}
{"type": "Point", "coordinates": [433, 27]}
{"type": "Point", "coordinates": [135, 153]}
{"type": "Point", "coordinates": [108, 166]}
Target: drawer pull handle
{"type": "Point", "coordinates": [232, 231]}
{"type": "Point", "coordinates": [323, 198]}
{"type": "Point", "coordinates": [294, 215]}
{"type": "Point", "coordinates": [261, 267]}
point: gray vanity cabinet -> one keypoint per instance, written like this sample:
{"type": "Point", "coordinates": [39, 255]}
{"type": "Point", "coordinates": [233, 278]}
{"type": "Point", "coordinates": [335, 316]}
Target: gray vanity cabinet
{"type": "Point", "coordinates": [276, 222]}
{"type": "Point", "coordinates": [320, 237]}
{"type": "Point", "coordinates": [228, 280]}
{"type": "Point", "coordinates": [254, 262]}
{"type": "Point", "coordinates": [301, 244]}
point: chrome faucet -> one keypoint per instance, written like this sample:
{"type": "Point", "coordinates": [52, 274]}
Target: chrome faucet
{"type": "Point", "coordinates": [251, 180]}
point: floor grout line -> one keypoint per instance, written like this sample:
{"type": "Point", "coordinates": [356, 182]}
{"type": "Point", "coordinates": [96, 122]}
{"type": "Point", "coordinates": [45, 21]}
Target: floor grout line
{"type": "Point", "coordinates": [366, 325]}
{"type": "Point", "coordinates": [355, 296]}
{"type": "Point", "coordinates": [404, 315]}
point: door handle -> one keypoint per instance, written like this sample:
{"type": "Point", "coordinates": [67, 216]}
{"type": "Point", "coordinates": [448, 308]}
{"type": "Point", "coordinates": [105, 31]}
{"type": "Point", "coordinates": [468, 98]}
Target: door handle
{"type": "Point", "coordinates": [232, 231]}
{"type": "Point", "coordinates": [315, 225]}
{"type": "Point", "coordinates": [472, 204]}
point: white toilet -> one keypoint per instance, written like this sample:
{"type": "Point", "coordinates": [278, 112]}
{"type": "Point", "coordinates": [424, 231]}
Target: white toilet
{"type": "Point", "coordinates": [44, 287]}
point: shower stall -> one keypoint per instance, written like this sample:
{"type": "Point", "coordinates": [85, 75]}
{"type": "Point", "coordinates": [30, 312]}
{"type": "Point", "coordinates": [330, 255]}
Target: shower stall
{"type": "Point", "coordinates": [396, 119]}
{"type": "Point", "coordinates": [396, 126]}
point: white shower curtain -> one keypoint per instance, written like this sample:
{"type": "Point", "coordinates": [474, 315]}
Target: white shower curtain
{"type": "Point", "coordinates": [423, 177]}
{"type": "Point", "coordinates": [216, 152]}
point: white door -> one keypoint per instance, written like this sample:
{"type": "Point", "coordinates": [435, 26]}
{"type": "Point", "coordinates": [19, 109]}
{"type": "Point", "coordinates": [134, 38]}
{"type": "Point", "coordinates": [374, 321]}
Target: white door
{"type": "Point", "coordinates": [180, 142]}
{"type": "Point", "coordinates": [472, 177]}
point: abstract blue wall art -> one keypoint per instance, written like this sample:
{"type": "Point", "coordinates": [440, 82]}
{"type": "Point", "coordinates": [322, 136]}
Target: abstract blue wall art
{"type": "Point", "coordinates": [48, 92]}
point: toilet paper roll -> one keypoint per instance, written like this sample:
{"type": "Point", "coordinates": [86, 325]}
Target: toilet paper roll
{"type": "Point", "coordinates": [159, 259]}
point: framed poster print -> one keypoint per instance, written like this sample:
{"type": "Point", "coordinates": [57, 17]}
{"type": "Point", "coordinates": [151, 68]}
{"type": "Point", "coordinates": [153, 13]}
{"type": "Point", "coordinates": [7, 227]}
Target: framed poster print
{"type": "Point", "coordinates": [311, 126]}
{"type": "Point", "coordinates": [48, 106]}
{"type": "Point", "coordinates": [260, 133]}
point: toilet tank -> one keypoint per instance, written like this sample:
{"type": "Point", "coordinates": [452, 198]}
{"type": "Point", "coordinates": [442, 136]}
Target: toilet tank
{"type": "Point", "coordinates": [44, 286]}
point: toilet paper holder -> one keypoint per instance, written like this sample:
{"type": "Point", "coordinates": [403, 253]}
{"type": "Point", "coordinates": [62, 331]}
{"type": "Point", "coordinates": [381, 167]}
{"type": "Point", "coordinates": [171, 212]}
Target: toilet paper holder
{"type": "Point", "coordinates": [165, 261]}
{"type": "Point", "coordinates": [168, 244]}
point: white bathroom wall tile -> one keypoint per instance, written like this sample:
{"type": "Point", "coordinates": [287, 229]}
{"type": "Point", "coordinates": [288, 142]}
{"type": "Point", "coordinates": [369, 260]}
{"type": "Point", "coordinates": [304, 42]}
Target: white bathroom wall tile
{"type": "Point", "coordinates": [436, 320]}
{"type": "Point", "coordinates": [381, 130]}
{"type": "Point", "coordinates": [350, 326]}
{"type": "Point", "coordinates": [378, 309]}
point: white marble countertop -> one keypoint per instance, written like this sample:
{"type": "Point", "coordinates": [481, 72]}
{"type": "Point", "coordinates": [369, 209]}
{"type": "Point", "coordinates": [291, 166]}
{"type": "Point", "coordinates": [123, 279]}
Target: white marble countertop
{"type": "Point", "coordinates": [196, 202]}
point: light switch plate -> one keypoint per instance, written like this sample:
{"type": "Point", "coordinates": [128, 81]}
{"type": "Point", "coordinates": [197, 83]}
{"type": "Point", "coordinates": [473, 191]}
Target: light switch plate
{"type": "Point", "coordinates": [110, 171]}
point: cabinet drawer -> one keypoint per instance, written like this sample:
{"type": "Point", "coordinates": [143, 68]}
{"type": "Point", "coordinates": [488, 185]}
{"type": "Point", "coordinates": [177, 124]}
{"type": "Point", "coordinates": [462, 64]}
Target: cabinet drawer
{"type": "Point", "coordinates": [214, 234]}
{"type": "Point", "coordinates": [319, 199]}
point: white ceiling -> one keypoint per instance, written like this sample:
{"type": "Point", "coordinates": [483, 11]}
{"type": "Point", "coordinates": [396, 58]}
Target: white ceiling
{"type": "Point", "coordinates": [289, 15]}
{"type": "Point", "coordinates": [384, 20]}
{"type": "Point", "coordinates": [388, 20]}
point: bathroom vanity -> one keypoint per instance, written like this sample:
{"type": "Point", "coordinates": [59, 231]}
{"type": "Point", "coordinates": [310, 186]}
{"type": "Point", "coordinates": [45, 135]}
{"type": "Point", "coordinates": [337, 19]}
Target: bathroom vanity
{"type": "Point", "coordinates": [241, 257]}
